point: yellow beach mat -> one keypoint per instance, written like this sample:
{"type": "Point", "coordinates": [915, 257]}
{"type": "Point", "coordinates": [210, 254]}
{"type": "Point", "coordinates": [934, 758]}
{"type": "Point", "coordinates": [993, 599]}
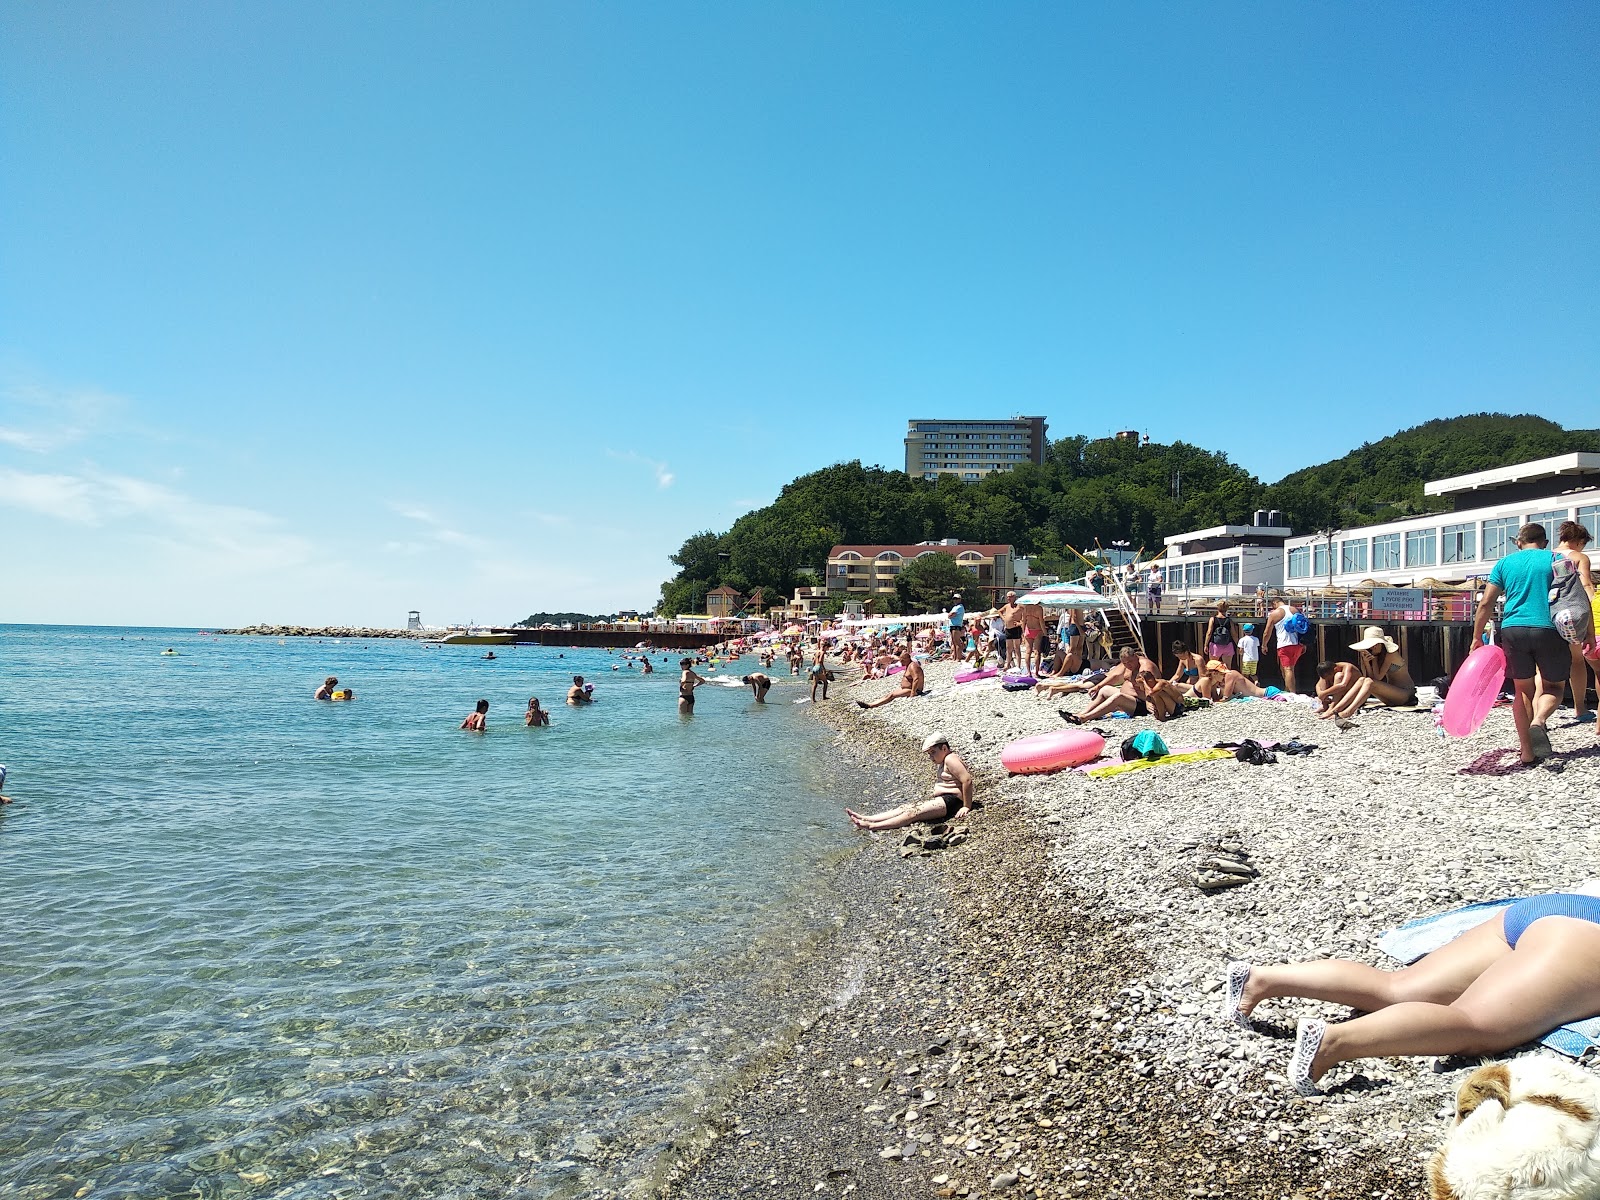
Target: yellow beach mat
{"type": "Point", "coordinates": [1139, 764]}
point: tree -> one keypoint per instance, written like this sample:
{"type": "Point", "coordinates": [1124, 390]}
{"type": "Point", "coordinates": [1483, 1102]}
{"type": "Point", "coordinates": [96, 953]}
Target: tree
{"type": "Point", "coordinates": [927, 583]}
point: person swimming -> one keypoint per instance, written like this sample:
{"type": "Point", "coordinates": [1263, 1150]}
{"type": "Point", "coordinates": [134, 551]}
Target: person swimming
{"type": "Point", "coordinates": [478, 720]}
{"type": "Point", "coordinates": [325, 692]}
{"type": "Point", "coordinates": [535, 714]}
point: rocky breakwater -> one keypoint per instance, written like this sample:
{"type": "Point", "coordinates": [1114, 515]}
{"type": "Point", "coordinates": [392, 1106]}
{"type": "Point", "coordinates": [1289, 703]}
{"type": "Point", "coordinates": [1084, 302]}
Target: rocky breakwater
{"type": "Point", "coordinates": [1038, 1009]}
{"type": "Point", "coordinates": [325, 631]}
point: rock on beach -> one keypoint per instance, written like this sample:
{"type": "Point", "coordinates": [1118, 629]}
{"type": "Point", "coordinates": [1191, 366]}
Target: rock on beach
{"type": "Point", "coordinates": [1038, 1009]}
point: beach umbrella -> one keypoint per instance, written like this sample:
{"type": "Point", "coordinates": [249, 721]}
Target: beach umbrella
{"type": "Point", "coordinates": [1067, 595]}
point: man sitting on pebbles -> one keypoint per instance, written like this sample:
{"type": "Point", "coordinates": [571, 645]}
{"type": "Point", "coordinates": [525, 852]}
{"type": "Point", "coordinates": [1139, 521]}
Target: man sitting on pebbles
{"type": "Point", "coordinates": [952, 793]}
{"type": "Point", "coordinates": [912, 680]}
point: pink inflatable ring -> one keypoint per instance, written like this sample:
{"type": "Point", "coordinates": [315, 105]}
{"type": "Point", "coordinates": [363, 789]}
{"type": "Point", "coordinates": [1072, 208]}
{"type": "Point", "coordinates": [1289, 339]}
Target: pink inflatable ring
{"type": "Point", "coordinates": [1052, 751]}
{"type": "Point", "coordinates": [1473, 691]}
{"type": "Point", "coordinates": [969, 676]}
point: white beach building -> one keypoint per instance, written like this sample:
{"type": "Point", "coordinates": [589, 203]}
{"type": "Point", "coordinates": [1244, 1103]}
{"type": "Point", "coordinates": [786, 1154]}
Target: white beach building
{"type": "Point", "coordinates": [1455, 546]}
{"type": "Point", "coordinates": [1226, 560]}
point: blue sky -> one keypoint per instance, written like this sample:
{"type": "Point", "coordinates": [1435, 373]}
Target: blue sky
{"type": "Point", "coordinates": [318, 313]}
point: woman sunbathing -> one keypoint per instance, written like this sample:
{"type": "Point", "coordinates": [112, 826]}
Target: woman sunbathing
{"type": "Point", "coordinates": [1512, 979]}
{"type": "Point", "coordinates": [1382, 675]}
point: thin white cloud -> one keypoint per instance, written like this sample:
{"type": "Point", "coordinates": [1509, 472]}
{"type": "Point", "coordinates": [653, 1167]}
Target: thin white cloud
{"type": "Point", "coordinates": [44, 419]}
{"type": "Point", "coordinates": [63, 496]}
{"type": "Point", "coordinates": [224, 535]}
{"type": "Point", "coordinates": [664, 477]}
{"type": "Point", "coordinates": [440, 530]}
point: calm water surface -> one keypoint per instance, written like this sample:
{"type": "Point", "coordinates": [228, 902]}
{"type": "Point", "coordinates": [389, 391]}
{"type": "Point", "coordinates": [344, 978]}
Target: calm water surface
{"type": "Point", "coordinates": [257, 945]}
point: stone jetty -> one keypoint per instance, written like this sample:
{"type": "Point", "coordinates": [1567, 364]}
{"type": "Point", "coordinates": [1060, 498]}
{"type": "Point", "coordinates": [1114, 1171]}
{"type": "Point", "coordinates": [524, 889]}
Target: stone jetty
{"type": "Point", "coordinates": [326, 631]}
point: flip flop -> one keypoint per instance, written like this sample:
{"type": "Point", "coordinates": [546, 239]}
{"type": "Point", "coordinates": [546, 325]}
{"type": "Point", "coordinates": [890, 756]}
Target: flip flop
{"type": "Point", "coordinates": [1238, 976]}
{"type": "Point", "coordinates": [1539, 738]}
{"type": "Point", "coordinates": [1307, 1041]}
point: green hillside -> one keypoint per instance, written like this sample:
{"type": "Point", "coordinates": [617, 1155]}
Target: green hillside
{"type": "Point", "coordinates": [1093, 489]}
{"type": "Point", "coordinates": [1383, 480]}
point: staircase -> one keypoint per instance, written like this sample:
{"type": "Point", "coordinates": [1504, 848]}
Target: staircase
{"type": "Point", "coordinates": [1125, 630]}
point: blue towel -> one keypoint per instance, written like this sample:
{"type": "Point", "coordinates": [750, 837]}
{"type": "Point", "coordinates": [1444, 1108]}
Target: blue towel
{"type": "Point", "coordinates": [1415, 938]}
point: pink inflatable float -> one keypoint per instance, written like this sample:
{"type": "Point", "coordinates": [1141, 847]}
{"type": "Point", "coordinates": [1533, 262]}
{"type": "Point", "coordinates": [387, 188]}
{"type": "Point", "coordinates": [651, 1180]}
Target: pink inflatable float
{"type": "Point", "coordinates": [1473, 691]}
{"type": "Point", "coordinates": [969, 676]}
{"type": "Point", "coordinates": [1052, 751]}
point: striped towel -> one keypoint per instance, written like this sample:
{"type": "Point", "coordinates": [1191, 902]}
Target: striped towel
{"type": "Point", "coordinates": [1422, 936]}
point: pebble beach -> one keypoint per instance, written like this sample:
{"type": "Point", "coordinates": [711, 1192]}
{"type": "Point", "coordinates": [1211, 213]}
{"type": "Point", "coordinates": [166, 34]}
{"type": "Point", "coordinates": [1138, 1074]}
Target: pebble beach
{"type": "Point", "coordinates": [1037, 1010]}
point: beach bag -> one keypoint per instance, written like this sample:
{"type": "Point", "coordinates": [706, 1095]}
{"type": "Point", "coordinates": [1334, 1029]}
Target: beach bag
{"type": "Point", "coordinates": [1253, 752]}
{"type": "Point", "coordinates": [1569, 603]}
{"type": "Point", "coordinates": [1145, 744]}
{"type": "Point", "coordinates": [1297, 624]}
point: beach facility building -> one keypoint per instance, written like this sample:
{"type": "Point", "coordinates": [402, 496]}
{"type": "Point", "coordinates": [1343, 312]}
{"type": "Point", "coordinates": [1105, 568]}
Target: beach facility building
{"type": "Point", "coordinates": [1456, 546]}
{"type": "Point", "coordinates": [723, 601]}
{"type": "Point", "coordinates": [1226, 560]}
{"type": "Point", "coordinates": [865, 571]}
{"type": "Point", "coordinates": [972, 449]}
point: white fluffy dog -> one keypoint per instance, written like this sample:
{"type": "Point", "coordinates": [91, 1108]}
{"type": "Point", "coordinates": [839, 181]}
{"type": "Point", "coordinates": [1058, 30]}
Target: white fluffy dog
{"type": "Point", "coordinates": [1525, 1130]}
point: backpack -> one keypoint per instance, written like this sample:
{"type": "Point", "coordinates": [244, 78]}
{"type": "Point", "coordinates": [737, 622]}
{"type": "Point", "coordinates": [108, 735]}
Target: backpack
{"type": "Point", "coordinates": [1297, 624]}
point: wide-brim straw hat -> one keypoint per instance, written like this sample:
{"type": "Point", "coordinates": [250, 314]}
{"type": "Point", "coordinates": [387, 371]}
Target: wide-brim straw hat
{"type": "Point", "coordinates": [1372, 637]}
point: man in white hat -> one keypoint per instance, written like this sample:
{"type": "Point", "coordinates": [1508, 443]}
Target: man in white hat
{"type": "Point", "coordinates": [1381, 675]}
{"type": "Point", "coordinates": [951, 799]}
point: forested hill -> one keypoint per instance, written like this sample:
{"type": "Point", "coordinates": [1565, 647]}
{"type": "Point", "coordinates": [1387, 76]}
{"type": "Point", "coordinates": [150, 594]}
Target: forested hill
{"type": "Point", "coordinates": [1383, 480]}
{"type": "Point", "coordinates": [1088, 489]}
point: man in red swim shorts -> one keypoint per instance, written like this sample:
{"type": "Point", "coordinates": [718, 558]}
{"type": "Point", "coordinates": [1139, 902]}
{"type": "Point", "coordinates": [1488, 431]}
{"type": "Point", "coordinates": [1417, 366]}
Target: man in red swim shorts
{"type": "Point", "coordinates": [1287, 622]}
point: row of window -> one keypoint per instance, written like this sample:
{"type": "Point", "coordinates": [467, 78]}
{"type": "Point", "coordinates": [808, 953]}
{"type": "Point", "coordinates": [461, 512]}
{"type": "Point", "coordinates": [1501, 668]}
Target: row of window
{"type": "Point", "coordinates": [948, 456]}
{"type": "Point", "coordinates": [1211, 572]}
{"type": "Point", "coordinates": [1468, 542]}
{"type": "Point", "coordinates": [970, 476]}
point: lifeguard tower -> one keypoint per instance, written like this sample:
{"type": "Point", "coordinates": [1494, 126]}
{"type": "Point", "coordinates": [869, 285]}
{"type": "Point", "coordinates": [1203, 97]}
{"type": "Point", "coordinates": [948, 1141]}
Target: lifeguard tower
{"type": "Point", "coordinates": [413, 619]}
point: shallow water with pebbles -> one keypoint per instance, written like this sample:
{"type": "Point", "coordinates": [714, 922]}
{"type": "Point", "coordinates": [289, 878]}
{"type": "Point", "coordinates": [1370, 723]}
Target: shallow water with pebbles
{"type": "Point", "coordinates": [262, 946]}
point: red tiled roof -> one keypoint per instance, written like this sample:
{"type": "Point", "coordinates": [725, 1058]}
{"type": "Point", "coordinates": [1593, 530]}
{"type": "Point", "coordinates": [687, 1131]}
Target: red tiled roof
{"type": "Point", "coordinates": [988, 551]}
{"type": "Point", "coordinates": [724, 590]}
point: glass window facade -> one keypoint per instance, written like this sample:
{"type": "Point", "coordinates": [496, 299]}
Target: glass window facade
{"type": "Point", "coordinates": [1300, 562]}
{"type": "Point", "coordinates": [1352, 555]}
{"type": "Point", "coordinates": [1319, 560]}
{"type": "Point", "coordinates": [1551, 521]}
{"type": "Point", "coordinates": [1460, 544]}
{"type": "Point", "coordinates": [1230, 570]}
{"type": "Point", "coordinates": [1422, 547]}
{"type": "Point", "coordinates": [1499, 538]}
{"type": "Point", "coordinates": [1589, 517]}
{"type": "Point", "coordinates": [1386, 552]}
{"type": "Point", "coordinates": [1211, 572]}
{"type": "Point", "coordinates": [1191, 575]}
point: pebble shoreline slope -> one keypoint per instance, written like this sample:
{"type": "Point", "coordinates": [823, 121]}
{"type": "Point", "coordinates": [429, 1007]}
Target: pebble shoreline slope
{"type": "Point", "coordinates": [1038, 1011]}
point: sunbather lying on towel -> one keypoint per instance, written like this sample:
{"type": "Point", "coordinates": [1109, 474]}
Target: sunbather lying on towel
{"type": "Point", "coordinates": [1127, 667]}
{"type": "Point", "coordinates": [1510, 980]}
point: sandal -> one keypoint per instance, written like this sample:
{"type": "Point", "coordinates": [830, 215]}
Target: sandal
{"type": "Point", "coordinates": [1307, 1041]}
{"type": "Point", "coordinates": [1238, 976]}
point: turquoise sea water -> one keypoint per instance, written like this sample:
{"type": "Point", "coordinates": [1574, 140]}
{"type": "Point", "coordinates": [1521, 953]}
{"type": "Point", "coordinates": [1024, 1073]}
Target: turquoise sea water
{"type": "Point", "coordinates": [257, 945]}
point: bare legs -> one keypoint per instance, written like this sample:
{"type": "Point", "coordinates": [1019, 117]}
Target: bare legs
{"type": "Point", "coordinates": [1236, 683]}
{"type": "Point", "coordinates": [1533, 706]}
{"type": "Point", "coordinates": [1473, 996]}
{"type": "Point", "coordinates": [932, 809]}
{"type": "Point", "coordinates": [1579, 681]}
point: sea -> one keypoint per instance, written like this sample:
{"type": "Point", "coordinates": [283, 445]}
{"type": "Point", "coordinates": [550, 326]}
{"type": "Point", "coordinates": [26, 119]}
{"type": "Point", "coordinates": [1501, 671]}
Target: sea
{"type": "Point", "coordinates": [257, 945]}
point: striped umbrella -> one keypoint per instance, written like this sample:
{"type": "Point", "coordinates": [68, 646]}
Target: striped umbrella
{"type": "Point", "coordinates": [1067, 595]}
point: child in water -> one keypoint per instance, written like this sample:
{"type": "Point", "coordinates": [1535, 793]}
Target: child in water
{"type": "Point", "coordinates": [535, 715]}
{"type": "Point", "coordinates": [478, 720]}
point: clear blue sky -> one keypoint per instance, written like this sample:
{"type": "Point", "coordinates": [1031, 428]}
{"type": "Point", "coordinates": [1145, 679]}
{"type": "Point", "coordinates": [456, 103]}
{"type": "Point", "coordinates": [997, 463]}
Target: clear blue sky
{"type": "Point", "coordinates": [318, 313]}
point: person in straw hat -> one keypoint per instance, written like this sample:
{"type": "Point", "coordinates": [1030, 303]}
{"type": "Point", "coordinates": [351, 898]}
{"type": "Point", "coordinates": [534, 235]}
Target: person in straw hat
{"type": "Point", "coordinates": [952, 792]}
{"type": "Point", "coordinates": [1381, 675]}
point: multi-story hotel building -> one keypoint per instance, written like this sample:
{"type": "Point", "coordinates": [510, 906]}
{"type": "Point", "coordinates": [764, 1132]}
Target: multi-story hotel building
{"type": "Point", "coordinates": [866, 571]}
{"type": "Point", "coordinates": [972, 449]}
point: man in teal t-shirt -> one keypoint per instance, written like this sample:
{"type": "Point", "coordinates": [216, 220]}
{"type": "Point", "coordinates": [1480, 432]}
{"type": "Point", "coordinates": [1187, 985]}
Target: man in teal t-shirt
{"type": "Point", "coordinates": [1529, 637]}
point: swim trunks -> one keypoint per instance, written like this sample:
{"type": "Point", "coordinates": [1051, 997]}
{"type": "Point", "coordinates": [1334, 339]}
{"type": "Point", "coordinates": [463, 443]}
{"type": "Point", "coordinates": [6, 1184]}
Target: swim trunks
{"type": "Point", "coordinates": [1141, 709]}
{"type": "Point", "coordinates": [1287, 657]}
{"type": "Point", "coordinates": [1530, 647]}
{"type": "Point", "coordinates": [952, 803]}
{"type": "Point", "coordinates": [1523, 913]}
